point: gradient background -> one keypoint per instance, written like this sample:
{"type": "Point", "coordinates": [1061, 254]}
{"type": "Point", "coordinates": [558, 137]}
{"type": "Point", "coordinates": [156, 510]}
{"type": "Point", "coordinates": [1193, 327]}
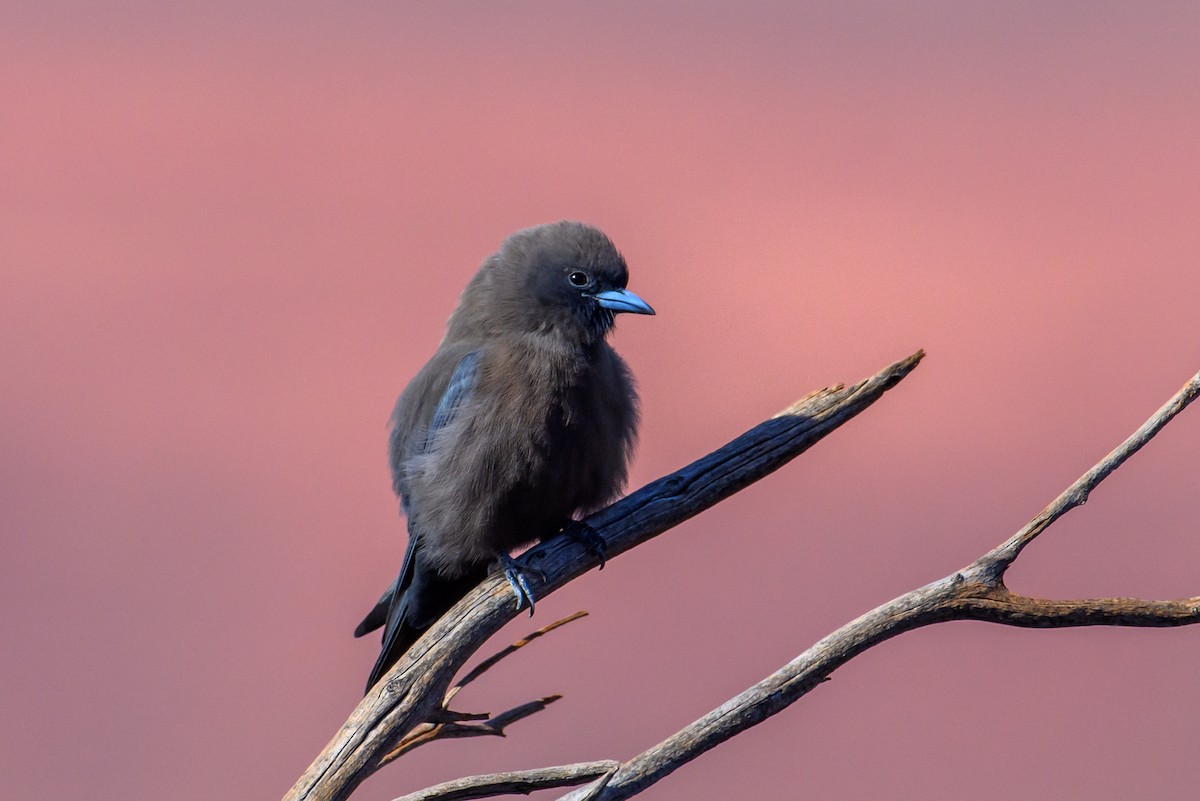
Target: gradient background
{"type": "Point", "coordinates": [229, 233]}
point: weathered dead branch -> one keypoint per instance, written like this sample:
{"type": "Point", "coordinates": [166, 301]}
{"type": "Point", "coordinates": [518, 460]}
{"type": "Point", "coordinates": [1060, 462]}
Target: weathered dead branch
{"type": "Point", "coordinates": [411, 695]}
{"type": "Point", "coordinates": [976, 592]}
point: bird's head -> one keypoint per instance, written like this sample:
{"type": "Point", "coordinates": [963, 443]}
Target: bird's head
{"type": "Point", "coordinates": [565, 278]}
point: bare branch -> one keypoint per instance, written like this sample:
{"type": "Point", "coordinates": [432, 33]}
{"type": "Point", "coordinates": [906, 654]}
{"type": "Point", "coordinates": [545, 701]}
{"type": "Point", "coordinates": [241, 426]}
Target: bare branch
{"type": "Point", "coordinates": [974, 593]}
{"type": "Point", "coordinates": [411, 693]}
{"type": "Point", "coordinates": [951, 598]}
{"type": "Point", "coordinates": [1009, 609]}
{"type": "Point", "coordinates": [513, 782]}
{"type": "Point", "coordinates": [998, 560]}
{"type": "Point", "coordinates": [774, 693]}
{"type": "Point", "coordinates": [948, 599]}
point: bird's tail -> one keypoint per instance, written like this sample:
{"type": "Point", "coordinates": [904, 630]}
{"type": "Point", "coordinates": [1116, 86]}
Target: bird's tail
{"type": "Point", "coordinates": [413, 603]}
{"type": "Point", "coordinates": [378, 615]}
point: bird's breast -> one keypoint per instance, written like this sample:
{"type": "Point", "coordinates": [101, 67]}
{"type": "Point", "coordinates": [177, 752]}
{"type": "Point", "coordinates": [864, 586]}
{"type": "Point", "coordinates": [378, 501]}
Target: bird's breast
{"type": "Point", "coordinates": [578, 414]}
{"type": "Point", "coordinates": [546, 435]}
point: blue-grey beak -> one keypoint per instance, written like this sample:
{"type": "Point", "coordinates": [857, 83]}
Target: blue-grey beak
{"type": "Point", "coordinates": [622, 300]}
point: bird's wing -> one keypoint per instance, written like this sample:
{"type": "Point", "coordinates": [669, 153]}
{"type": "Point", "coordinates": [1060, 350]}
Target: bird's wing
{"type": "Point", "coordinates": [412, 421]}
{"type": "Point", "coordinates": [392, 607]}
{"type": "Point", "coordinates": [458, 391]}
{"type": "Point", "coordinates": [462, 381]}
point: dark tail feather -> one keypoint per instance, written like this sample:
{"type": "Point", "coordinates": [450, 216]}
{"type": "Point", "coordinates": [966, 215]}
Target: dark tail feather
{"type": "Point", "coordinates": [390, 610]}
{"type": "Point", "coordinates": [377, 616]}
{"type": "Point", "coordinates": [402, 637]}
{"type": "Point", "coordinates": [426, 598]}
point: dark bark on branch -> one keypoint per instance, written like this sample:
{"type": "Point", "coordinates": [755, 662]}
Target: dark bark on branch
{"type": "Point", "coordinates": [413, 691]}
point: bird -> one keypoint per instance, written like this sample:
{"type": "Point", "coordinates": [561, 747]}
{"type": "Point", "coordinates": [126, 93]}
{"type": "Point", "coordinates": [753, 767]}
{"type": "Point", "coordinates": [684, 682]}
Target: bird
{"type": "Point", "coordinates": [524, 418]}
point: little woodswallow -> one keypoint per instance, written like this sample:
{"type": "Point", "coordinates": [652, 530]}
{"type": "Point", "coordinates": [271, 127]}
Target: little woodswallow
{"type": "Point", "coordinates": [523, 418]}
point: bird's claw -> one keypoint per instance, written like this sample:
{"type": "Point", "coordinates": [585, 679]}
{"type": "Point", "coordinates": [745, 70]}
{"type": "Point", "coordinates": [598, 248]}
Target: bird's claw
{"type": "Point", "coordinates": [515, 575]}
{"type": "Point", "coordinates": [587, 536]}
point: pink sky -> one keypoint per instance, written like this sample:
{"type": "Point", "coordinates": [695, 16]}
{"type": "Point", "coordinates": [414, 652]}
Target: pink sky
{"type": "Point", "coordinates": [229, 235]}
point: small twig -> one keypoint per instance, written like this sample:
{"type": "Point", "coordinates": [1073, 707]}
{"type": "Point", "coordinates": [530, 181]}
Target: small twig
{"type": "Point", "coordinates": [475, 726]}
{"type": "Point", "coordinates": [445, 715]}
{"type": "Point", "coordinates": [444, 723]}
{"type": "Point", "coordinates": [483, 666]}
{"type": "Point", "coordinates": [513, 782]}
{"type": "Point", "coordinates": [498, 723]}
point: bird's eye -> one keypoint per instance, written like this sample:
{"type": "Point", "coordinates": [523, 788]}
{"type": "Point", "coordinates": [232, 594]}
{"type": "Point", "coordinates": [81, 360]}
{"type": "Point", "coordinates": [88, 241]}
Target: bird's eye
{"type": "Point", "coordinates": [578, 278]}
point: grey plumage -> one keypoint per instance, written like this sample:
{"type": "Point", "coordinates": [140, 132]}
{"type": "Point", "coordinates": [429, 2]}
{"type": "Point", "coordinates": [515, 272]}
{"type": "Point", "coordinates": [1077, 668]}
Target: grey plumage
{"type": "Point", "coordinates": [523, 418]}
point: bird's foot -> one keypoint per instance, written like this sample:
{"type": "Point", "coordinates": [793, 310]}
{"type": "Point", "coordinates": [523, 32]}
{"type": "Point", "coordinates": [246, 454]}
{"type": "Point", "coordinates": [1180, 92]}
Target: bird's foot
{"type": "Point", "coordinates": [588, 537]}
{"type": "Point", "coordinates": [517, 579]}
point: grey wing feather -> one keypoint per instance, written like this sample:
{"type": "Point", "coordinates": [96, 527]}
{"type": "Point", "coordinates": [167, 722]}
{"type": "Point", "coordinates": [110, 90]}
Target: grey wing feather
{"type": "Point", "coordinates": [456, 395]}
